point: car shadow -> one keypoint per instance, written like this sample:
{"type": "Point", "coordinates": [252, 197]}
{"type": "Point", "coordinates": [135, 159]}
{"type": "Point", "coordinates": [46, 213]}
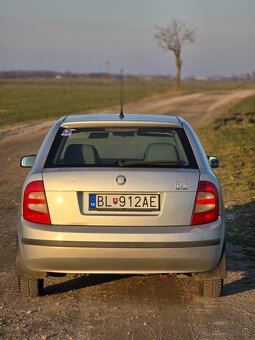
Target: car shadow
{"type": "Point", "coordinates": [82, 282]}
{"type": "Point", "coordinates": [242, 285]}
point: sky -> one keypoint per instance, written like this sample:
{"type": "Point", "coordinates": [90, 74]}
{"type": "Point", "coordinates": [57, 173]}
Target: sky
{"type": "Point", "coordinates": [83, 35]}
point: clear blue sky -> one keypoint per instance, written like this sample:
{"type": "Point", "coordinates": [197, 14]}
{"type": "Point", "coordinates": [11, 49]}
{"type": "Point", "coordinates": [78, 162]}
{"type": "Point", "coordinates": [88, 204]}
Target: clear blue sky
{"type": "Point", "coordinates": [82, 35]}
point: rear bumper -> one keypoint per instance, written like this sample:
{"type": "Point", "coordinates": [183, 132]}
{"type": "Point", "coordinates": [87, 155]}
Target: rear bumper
{"type": "Point", "coordinates": [123, 250]}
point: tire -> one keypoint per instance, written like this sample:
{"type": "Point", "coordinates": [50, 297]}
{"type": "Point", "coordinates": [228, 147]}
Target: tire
{"type": "Point", "coordinates": [211, 288]}
{"type": "Point", "coordinates": [30, 287]}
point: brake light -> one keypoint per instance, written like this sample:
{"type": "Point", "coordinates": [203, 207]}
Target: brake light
{"type": "Point", "coordinates": [35, 208]}
{"type": "Point", "coordinates": [206, 207]}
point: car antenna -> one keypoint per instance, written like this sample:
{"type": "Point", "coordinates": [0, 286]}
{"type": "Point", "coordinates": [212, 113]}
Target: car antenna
{"type": "Point", "coordinates": [121, 115]}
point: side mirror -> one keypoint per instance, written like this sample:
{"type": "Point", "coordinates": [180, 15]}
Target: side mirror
{"type": "Point", "coordinates": [27, 161]}
{"type": "Point", "coordinates": [213, 161]}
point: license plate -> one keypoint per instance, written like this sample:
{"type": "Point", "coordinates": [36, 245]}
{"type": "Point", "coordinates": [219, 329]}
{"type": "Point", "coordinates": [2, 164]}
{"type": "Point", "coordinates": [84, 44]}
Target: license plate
{"type": "Point", "coordinates": [133, 202]}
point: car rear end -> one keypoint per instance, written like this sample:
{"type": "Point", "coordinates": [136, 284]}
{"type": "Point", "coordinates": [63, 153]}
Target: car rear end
{"type": "Point", "coordinates": [109, 195]}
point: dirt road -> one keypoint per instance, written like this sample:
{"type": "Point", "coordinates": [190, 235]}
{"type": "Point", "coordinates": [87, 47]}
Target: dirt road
{"type": "Point", "coordinates": [111, 306]}
{"type": "Point", "coordinates": [197, 108]}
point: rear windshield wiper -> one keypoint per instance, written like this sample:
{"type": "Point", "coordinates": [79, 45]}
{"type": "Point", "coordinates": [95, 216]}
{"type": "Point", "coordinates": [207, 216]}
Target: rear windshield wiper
{"type": "Point", "coordinates": [122, 163]}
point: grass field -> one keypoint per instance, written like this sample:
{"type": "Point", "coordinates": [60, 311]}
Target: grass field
{"type": "Point", "coordinates": [246, 105]}
{"type": "Point", "coordinates": [190, 86]}
{"type": "Point", "coordinates": [235, 147]}
{"type": "Point", "coordinates": [32, 100]}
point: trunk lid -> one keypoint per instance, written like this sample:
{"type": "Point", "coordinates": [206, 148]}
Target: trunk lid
{"type": "Point", "coordinates": [67, 191]}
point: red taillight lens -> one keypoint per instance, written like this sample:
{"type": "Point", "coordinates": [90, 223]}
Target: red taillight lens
{"type": "Point", "coordinates": [206, 207]}
{"type": "Point", "coordinates": [35, 207]}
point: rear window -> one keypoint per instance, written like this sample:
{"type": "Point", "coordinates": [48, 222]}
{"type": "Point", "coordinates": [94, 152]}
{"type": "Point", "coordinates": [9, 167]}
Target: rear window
{"type": "Point", "coordinates": [121, 147]}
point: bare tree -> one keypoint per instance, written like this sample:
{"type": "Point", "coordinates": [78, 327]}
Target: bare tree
{"type": "Point", "coordinates": [171, 38]}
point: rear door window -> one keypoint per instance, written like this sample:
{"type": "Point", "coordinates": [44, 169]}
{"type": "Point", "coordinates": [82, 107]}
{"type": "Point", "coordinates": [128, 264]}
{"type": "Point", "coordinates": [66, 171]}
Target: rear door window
{"type": "Point", "coordinates": [121, 147]}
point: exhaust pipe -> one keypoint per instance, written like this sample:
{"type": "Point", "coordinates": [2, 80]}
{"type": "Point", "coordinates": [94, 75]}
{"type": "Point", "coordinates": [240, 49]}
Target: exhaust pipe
{"type": "Point", "coordinates": [164, 276]}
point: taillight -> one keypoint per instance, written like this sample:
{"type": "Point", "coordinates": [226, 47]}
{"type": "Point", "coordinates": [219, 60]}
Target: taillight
{"type": "Point", "coordinates": [206, 207]}
{"type": "Point", "coordinates": [35, 207]}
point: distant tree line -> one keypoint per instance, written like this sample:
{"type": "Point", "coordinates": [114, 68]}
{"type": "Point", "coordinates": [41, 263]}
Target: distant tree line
{"type": "Point", "coordinates": [19, 74]}
{"type": "Point", "coordinates": [101, 75]}
{"type": "Point", "coordinates": [48, 75]}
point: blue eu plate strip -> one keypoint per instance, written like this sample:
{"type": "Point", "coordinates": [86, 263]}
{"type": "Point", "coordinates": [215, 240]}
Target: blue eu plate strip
{"type": "Point", "coordinates": [92, 201]}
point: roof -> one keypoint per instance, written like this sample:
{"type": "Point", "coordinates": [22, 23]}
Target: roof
{"type": "Point", "coordinates": [86, 119]}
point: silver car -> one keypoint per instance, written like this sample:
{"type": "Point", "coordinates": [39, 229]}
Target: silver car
{"type": "Point", "coordinates": [124, 195]}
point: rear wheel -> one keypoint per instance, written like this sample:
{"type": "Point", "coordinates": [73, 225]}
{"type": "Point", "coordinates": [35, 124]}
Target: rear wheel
{"type": "Point", "coordinates": [211, 288]}
{"type": "Point", "coordinates": [30, 287]}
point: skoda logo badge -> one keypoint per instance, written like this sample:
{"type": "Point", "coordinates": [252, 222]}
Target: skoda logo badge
{"type": "Point", "coordinates": [121, 179]}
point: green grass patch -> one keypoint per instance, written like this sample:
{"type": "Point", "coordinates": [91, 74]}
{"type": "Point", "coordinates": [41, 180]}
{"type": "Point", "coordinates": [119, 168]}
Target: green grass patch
{"type": "Point", "coordinates": [190, 86]}
{"type": "Point", "coordinates": [244, 106]}
{"type": "Point", "coordinates": [31, 100]}
{"type": "Point", "coordinates": [235, 147]}
{"type": "Point", "coordinates": [242, 114]}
